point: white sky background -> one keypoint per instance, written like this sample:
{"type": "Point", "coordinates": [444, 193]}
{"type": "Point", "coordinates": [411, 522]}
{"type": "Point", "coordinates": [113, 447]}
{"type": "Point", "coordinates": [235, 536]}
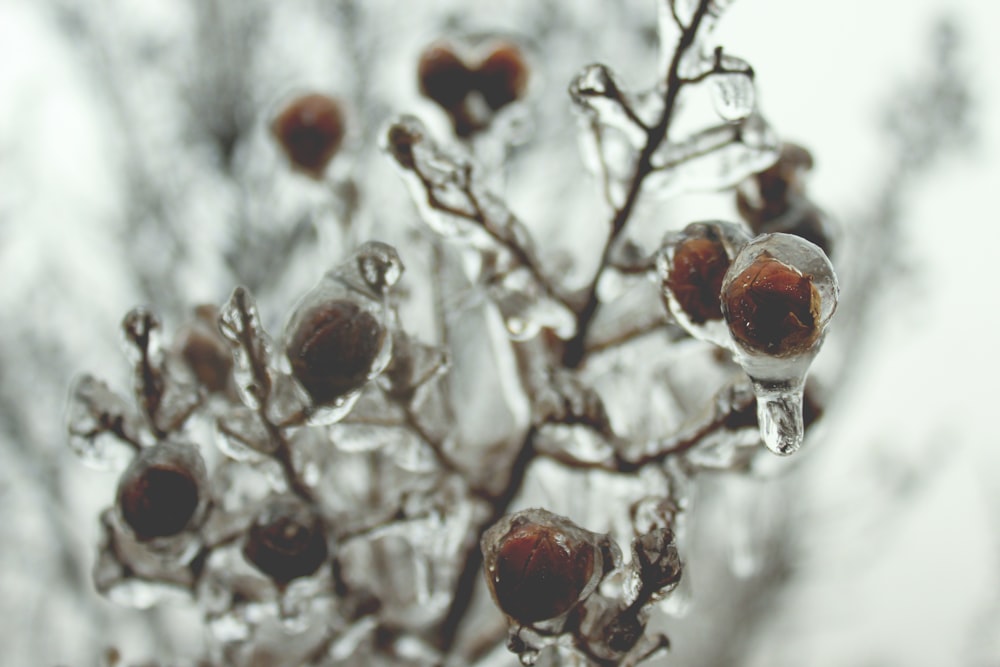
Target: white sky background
{"type": "Point", "coordinates": [911, 585]}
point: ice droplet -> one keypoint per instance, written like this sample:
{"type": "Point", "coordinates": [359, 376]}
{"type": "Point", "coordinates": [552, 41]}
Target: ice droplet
{"type": "Point", "coordinates": [733, 93]}
{"type": "Point", "coordinates": [778, 297]}
{"type": "Point", "coordinates": [779, 413]}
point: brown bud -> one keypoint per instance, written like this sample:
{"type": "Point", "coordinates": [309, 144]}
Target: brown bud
{"type": "Point", "coordinates": [286, 542]}
{"type": "Point", "coordinates": [502, 77]}
{"type": "Point", "coordinates": [333, 349]}
{"type": "Point", "coordinates": [443, 77]}
{"type": "Point", "coordinates": [540, 572]}
{"type": "Point", "coordinates": [772, 308]}
{"type": "Point", "coordinates": [158, 500]}
{"type": "Point", "coordinates": [310, 130]}
{"type": "Point", "coordinates": [773, 188]}
{"type": "Point", "coordinates": [206, 354]}
{"type": "Point", "coordinates": [695, 278]}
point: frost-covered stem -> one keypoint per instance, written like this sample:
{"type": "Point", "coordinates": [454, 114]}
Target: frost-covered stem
{"type": "Point", "coordinates": [574, 352]}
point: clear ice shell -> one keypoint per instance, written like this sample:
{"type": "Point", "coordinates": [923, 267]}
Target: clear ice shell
{"type": "Point", "coordinates": [779, 379]}
{"type": "Point", "coordinates": [733, 91]}
{"type": "Point", "coordinates": [97, 421]}
{"type": "Point", "coordinates": [714, 158]}
{"type": "Point", "coordinates": [731, 238]}
{"type": "Point", "coordinates": [242, 436]}
{"type": "Point", "coordinates": [596, 93]}
{"type": "Point", "coordinates": [526, 310]}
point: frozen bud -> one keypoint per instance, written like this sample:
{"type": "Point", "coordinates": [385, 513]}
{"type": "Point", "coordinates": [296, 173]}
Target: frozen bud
{"type": "Point", "coordinates": [334, 348]}
{"type": "Point", "coordinates": [401, 138]}
{"type": "Point", "coordinates": [691, 265]}
{"type": "Point", "coordinates": [540, 565]}
{"type": "Point", "coordinates": [310, 130]}
{"type": "Point", "coordinates": [442, 76]}
{"type": "Point", "coordinates": [160, 494]}
{"type": "Point", "coordinates": [765, 195]}
{"type": "Point", "coordinates": [772, 307]}
{"type": "Point", "coordinates": [287, 541]}
{"type": "Point", "coordinates": [502, 77]}
{"type": "Point", "coordinates": [778, 297]}
{"type": "Point", "coordinates": [205, 352]}
{"type": "Point", "coordinates": [695, 278]}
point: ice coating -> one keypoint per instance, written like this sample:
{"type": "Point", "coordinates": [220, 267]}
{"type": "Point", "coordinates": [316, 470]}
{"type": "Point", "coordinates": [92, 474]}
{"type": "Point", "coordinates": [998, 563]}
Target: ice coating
{"type": "Point", "coordinates": [778, 297]}
{"type": "Point", "coordinates": [690, 267]}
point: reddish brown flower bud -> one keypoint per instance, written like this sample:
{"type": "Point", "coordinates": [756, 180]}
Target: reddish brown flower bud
{"type": "Point", "coordinates": [443, 77]}
{"type": "Point", "coordinates": [772, 308]}
{"type": "Point", "coordinates": [286, 542]}
{"type": "Point", "coordinates": [310, 130]}
{"type": "Point", "coordinates": [540, 572]}
{"type": "Point", "coordinates": [695, 278]}
{"type": "Point", "coordinates": [502, 77]}
{"type": "Point", "coordinates": [334, 348]}
{"type": "Point", "coordinates": [158, 500]}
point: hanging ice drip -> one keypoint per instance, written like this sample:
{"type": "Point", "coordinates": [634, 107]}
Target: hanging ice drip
{"type": "Point", "coordinates": [338, 337]}
{"type": "Point", "coordinates": [777, 297]}
{"type": "Point", "coordinates": [690, 267]}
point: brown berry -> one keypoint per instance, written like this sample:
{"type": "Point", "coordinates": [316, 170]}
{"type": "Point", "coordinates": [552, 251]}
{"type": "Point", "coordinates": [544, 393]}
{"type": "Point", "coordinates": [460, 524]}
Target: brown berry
{"type": "Point", "coordinates": [502, 77]}
{"type": "Point", "coordinates": [333, 349]}
{"type": "Point", "coordinates": [159, 501]}
{"type": "Point", "coordinates": [310, 130]}
{"type": "Point", "coordinates": [443, 77]}
{"type": "Point", "coordinates": [540, 572]}
{"type": "Point", "coordinates": [695, 278]}
{"type": "Point", "coordinates": [286, 542]}
{"type": "Point", "coordinates": [772, 308]}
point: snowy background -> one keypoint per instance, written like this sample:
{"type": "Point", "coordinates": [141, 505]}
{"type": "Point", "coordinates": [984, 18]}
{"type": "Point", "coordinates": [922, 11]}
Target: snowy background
{"type": "Point", "coordinates": [896, 511]}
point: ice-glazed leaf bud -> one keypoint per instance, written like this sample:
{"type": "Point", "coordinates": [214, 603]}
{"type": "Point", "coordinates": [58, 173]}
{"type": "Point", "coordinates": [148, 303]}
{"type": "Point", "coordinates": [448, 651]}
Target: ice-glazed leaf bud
{"type": "Point", "coordinates": [772, 307]}
{"type": "Point", "coordinates": [502, 77]}
{"type": "Point", "coordinates": [334, 347]}
{"type": "Point", "coordinates": [160, 494]}
{"type": "Point", "coordinates": [310, 131]}
{"type": "Point", "coordinates": [286, 541]}
{"type": "Point", "coordinates": [539, 565]}
{"type": "Point", "coordinates": [442, 76]}
{"type": "Point", "coordinates": [691, 265]}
